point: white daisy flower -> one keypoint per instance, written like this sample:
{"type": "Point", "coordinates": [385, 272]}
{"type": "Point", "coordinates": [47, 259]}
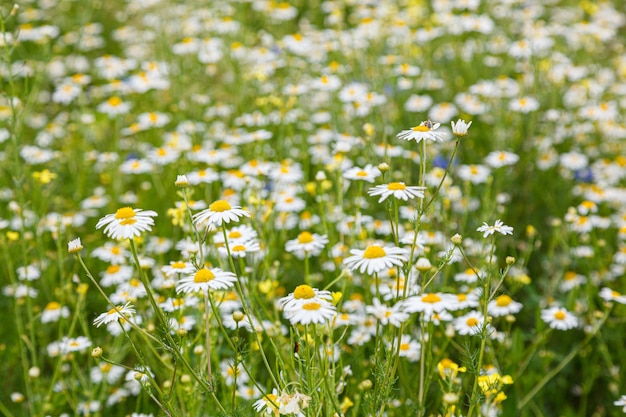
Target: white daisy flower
{"type": "Point", "coordinates": [303, 294]}
{"type": "Point", "coordinates": [311, 312]}
{"type": "Point", "coordinates": [425, 131]}
{"type": "Point", "coordinates": [430, 303]}
{"type": "Point", "coordinates": [115, 314]}
{"type": "Point", "coordinates": [497, 227]}
{"type": "Point", "coordinates": [559, 318]}
{"type": "Point", "coordinates": [375, 258]}
{"type": "Point", "coordinates": [306, 243]}
{"type": "Point", "coordinates": [219, 211]}
{"type": "Point", "coordinates": [469, 324]}
{"type": "Point", "coordinates": [206, 279]}
{"type": "Point", "coordinates": [460, 128]}
{"type": "Point", "coordinates": [397, 189]}
{"type": "Point", "coordinates": [503, 305]}
{"type": "Point", "coordinates": [369, 173]}
{"type": "Point", "coordinates": [127, 223]}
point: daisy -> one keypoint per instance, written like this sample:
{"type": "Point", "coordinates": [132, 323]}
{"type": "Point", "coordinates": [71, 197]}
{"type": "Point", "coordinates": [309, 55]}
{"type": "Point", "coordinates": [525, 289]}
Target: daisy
{"type": "Point", "coordinates": [127, 223]}
{"type": "Point", "coordinates": [410, 348]}
{"type": "Point", "coordinates": [498, 159]}
{"type": "Point", "coordinates": [240, 248]}
{"type": "Point", "coordinates": [397, 189]}
{"type": "Point", "coordinates": [469, 324]}
{"type": "Point", "coordinates": [369, 173]}
{"type": "Point", "coordinates": [375, 258]}
{"type": "Point", "coordinates": [387, 315]}
{"type": "Point", "coordinates": [53, 312]}
{"type": "Point", "coordinates": [206, 279]}
{"type": "Point", "coordinates": [303, 294]}
{"type": "Point", "coordinates": [306, 243]}
{"type": "Point", "coordinates": [559, 318]}
{"type": "Point", "coordinates": [497, 227]}
{"type": "Point", "coordinates": [218, 212]}
{"type": "Point", "coordinates": [177, 267]}
{"type": "Point", "coordinates": [74, 246]}
{"type": "Point", "coordinates": [476, 174]}
{"type": "Point", "coordinates": [311, 312]}
{"type": "Point", "coordinates": [115, 314]}
{"type": "Point", "coordinates": [425, 130]}
{"type": "Point", "coordinates": [269, 403]}
{"type": "Point", "coordinates": [460, 128]}
{"type": "Point", "coordinates": [608, 294]}
{"type": "Point", "coordinates": [503, 305]}
{"type": "Point", "coordinates": [429, 303]}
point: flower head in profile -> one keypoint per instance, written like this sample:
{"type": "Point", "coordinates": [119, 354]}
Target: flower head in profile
{"type": "Point", "coordinates": [497, 227]}
{"type": "Point", "coordinates": [397, 189]}
{"type": "Point", "coordinates": [206, 279]}
{"type": "Point", "coordinates": [460, 128]}
{"type": "Point", "coordinates": [375, 258]}
{"type": "Point", "coordinates": [127, 223]}
{"type": "Point", "coordinates": [219, 212]}
{"type": "Point", "coordinates": [424, 131]}
{"type": "Point", "coordinates": [116, 313]}
{"type": "Point", "coordinates": [74, 246]}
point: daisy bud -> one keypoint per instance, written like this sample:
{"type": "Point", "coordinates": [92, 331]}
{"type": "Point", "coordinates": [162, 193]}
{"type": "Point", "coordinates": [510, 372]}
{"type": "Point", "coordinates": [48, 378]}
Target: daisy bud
{"type": "Point", "coordinates": [34, 372]}
{"type": "Point", "coordinates": [368, 128]}
{"type": "Point", "coordinates": [181, 332]}
{"type": "Point", "coordinates": [17, 397]}
{"type": "Point", "coordinates": [96, 352]}
{"type": "Point", "coordinates": [238, 316]}
{"type": "Point", "coordinates": [450, 398]}
{"type": "Point", "coordinates": [365, 385]}
{"type": "Point", "coordinates": [320, 176]}
{"type": "Point", "coordinates": [457, 239]}
{"type": "Point", "coordinates": [510, 260]}
{"type": "Point", "coordinates": [423, 265]}
{"type": "Point", "coordinates": [198, 349]}
{"type": "Point", "coordinates": [383, 167]}
{"type": "Point", "coordinates": [15, 8]}
{"type": "Point", "coordinates": [181, 181]}
{"type": "Point", "coordinates": [185, 379]}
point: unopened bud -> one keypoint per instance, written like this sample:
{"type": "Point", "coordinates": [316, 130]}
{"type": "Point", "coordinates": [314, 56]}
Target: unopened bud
{"type": "Point", "coordinates": [365, 385]}
{"type": "Point", "coordinates": [238, 316]}
{"type": "Point", "coordinates": [96, 352]}
{"type": "Point", "coordinates": [457, 239]}
{"type": "Point", "coordinates": [510, 260]}
{"type": "Point", "coordinates": [423, 265]}
{"type": "Point", "coordinates": [383, 167]}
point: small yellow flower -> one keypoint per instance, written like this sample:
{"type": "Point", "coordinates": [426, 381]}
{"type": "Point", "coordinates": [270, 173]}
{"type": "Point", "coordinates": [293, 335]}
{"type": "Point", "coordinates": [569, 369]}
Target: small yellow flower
{"type": "Point", "coordinates": [44, 177]}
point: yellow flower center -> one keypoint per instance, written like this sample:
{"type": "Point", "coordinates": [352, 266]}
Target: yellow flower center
{"type": "Point", "coordinates": [53, 305]}
{"type": "Point", "coordinates": [373, 252]}
{"type": "Point", "coordinates": [239, 248]}
{"type": "Point", "coordinates": [503, 301]}
{"type": "Point", "coordinates": [421, 128]}
{"type": "Point", "coordinates": [311, 306]}
{"type": "Point", "coordinates": [404, 346]}
{"type": "Point", "coordinates": [178, 265]}
{"type": "Point", "coordinates": [112, 269]}
{"type": "Point", "coordinates": [234, 234]}
{"type": "Point", "coordinates": [115, 250]}
{"type": "Point", "coordinates": [114, 101]}
{"type": "Point", "coordinates": [461, 297]}
{"type": "Point", "coordinates": [431, 298]}
{"type": "Point", "coordinates": [305, 237]}
{"type": "Point", "coordinates": [559, 315]}
{"type": "Point", "coordinates": [472, 321]}
{"type": "Point", "coordinates": [393, 186]}
{"type": "Point", "coordinates": [220, 206]}
{"type": "Point", "coordinates": [125, 213]}
{"type": "Point", "coordinates": [569, 275]}
{"type": "Point", "coordinates": [203, 275]}
{"type": "Point", "coordinates": [303, 292]}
